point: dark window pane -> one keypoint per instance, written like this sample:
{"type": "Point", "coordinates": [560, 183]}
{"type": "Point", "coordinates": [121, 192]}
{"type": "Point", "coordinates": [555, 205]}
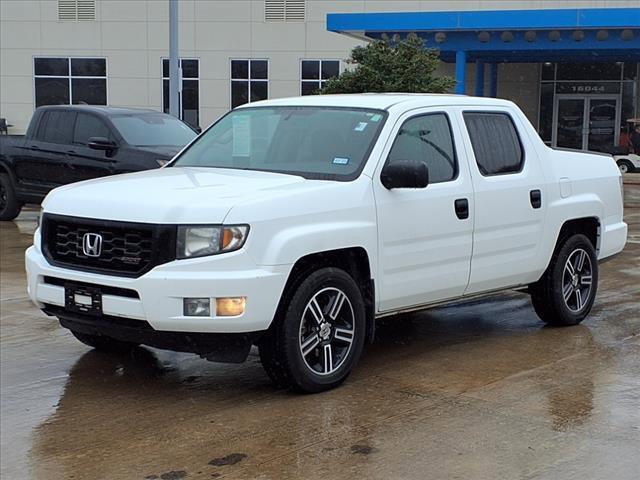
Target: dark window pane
{"type": "Point", "coordinates": [51, 66]}
{"type": "Point", "coordinates": [548, 71]}
{"type": "Point", "coordinates": [427, 139]}
{"type": "Point", "coordinates": [310, 70]}
{"type": "Point", "coordinates": [89, 91]}
{"type": "Point", "coordinates": [189, 68]}
{"type": "Point", "coordinates": [630, 70]}
{"type": "Point", "coordinates": [259, 91]}
{"type": "Point", "coordinates": [330, 69]}
{"type": "Point", "coordinates": [240, 69]}
{"type": "Point", "coordinates": [259, 69]}
{"type": "Point", "coordinates": [165, 68]}
{"type": "Point", "coordinates": [495, 142]}
{"type": "Point", "coordinates": [88, 126]}
{"type": "Point", "coordinates": [545, 122]}
{"type": "Point", "coordinates": [88, 67]}
{"type": "Point", "coordinates": [59, 127]}
{"type": "Point", "coordinates": [589, 71]}
{"type": "Point", "coordinates": [239, 93]}
{"type": "Point", "coordinates": [310, 88]}
{"type": "Point", "coordinates": [190, 95]}
{"type": "Point", "coordinates": [52, 91]}
{"type": "Point", "coordinates": [165, 96]}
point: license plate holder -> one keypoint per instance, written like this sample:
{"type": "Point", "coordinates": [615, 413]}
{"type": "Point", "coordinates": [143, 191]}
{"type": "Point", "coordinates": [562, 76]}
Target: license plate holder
{"type": "Point", "coordinates": [83, 299]}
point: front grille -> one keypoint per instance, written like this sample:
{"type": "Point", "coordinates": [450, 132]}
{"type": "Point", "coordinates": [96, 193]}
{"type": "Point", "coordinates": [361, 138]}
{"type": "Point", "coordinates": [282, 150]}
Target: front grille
{"type": "Point", "coordinates": [127, 248]}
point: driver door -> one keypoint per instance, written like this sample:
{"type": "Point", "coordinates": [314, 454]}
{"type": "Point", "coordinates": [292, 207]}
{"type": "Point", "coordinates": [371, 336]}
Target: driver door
{"type": "Point", "coordinates": [425, 235]}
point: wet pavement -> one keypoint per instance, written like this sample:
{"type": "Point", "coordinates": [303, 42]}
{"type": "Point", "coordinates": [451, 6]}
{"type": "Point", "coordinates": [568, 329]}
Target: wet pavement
{"type": "Point", "coordinates": [479, 390]}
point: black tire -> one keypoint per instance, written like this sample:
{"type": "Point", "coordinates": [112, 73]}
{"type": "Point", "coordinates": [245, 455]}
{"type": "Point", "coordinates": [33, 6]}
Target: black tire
{"type": "Point", "coordinates": [341, 327]}
{"type": "Point", "coordinates": [9, 205]}
{"type": "Point", "coordinates": [563, 298]}
{"type": "Point", "coordinates": [104, 344]}
{"type": "Point", "coordinates": [625, 166]}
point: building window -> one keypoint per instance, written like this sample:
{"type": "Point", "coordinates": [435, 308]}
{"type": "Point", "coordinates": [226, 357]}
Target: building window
{"type": "Point", "coordinates": [76, 81]}
{"type": "Point", "coordinates": [249, 81]}
{"type": "Point", "coordinates": [76, 10]}
{"type": "Point", "coordinates": [190, 94]}
{"type": "Point", "coordinates": [315, 73]}
{"type": "Point", "coordinates": [284, 10]}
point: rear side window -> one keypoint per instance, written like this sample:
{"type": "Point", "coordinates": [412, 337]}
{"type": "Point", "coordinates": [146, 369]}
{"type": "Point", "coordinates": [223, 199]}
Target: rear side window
{"type": "Point", "coordinates": [57, 127]}
{"type": "Point", "coordinates": [88, 126]}
{"type": "Point", "coordinates": [495, 142]}
{"type": "Point", "coordinates": [428, 139]}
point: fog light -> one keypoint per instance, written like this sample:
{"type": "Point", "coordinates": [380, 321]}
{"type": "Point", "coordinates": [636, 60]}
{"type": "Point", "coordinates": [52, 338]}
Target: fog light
{"type": "Point", "coordinates": [197, 307]}
{"type": "Point", "coordinates": [230, 306]}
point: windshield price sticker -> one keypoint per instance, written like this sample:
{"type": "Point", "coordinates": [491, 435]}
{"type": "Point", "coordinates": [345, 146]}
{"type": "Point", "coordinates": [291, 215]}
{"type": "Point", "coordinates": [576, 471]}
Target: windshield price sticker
{"type": "Point", "coordinates": [340, 161]}
{"type": "Point", "coordinates": [361, 126]}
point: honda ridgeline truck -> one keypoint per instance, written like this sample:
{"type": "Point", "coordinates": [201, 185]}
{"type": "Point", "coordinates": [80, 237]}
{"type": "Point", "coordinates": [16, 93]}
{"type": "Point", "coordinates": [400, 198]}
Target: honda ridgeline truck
{"type": "Point", "coordinates": [293, 224]}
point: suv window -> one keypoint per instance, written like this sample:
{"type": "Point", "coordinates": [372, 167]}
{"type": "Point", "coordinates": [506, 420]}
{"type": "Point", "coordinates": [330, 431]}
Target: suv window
{"type": "Point", "coordinates": [427, 138]}
{"type": "Point", "coordinates": [495, 142]}
{"type": "Point", "coordinates": [57, 127]}
{"type": "Point", "coordinates": [88, 126]}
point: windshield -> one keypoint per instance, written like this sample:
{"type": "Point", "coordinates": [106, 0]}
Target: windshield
{"type": "Point", "coordinates": [153, 129]}
{"type": "Point", "coordinates": [313, 142]}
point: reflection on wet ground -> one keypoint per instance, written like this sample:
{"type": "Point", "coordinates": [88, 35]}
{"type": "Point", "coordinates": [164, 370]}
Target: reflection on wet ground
{"type": "Point", "coordinates": [477, 390]}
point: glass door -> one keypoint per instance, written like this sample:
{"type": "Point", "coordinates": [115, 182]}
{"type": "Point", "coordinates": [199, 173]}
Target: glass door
{"type": "Point", "coordinates": [601, 136]}
{"type": "Point", "coordinates": [569, 120]}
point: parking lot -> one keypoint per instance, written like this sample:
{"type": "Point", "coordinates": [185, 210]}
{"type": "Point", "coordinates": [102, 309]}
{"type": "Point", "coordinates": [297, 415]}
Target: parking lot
{"type": "Point", "coordinates": [477, 390]}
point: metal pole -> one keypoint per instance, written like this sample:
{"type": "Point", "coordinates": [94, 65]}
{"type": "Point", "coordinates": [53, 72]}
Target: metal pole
{"type": "Point", "coordinates": [461, 69]}
{"type": "Point", "coordinates": [493, 80]}
{"type": "Point", "coordinates": [174, 62]}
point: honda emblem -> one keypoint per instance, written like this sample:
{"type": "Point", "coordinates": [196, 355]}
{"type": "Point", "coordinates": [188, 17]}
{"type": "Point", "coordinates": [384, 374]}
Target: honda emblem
{"type": "Point", "coordinates": [92, 244]}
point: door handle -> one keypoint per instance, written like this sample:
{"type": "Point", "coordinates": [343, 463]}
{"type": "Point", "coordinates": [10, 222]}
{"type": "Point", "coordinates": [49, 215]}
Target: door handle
{"type": "Point", "coordinates": [536, 198]}
{"type": "Point", "coordinates": [462, 208]}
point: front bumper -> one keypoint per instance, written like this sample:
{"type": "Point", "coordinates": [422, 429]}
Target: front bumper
{"type": "Point", "coordinates": [161, 291]}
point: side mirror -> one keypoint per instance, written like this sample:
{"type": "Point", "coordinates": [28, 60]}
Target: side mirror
{"type": "Point", "coordinates": [405, 174]}
{"type": "Point", "coordinates": [101, 143]}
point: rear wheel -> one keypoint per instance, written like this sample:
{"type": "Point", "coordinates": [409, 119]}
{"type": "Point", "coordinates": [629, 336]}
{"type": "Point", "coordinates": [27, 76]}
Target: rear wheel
{"type": "Point", "coordinates": [319, 338]}
{"type": "Point", "coordinates": [104, 344]}
{"type": "Point", "coordinates": [566, 292]}
{"type": "Point", "coordinates": [625, 166]}
{"type": "Point", "coordinates": [9, 205]}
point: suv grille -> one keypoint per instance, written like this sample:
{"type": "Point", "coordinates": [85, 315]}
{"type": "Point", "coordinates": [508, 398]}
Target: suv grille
{"type": "Point", "coordinates": [126, 249]}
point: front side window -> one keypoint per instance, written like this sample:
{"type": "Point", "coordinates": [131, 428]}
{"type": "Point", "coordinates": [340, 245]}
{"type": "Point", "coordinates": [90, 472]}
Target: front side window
{"type": "Point", "coordinates": [428, 139]}
{"type": "Point", "coordinates": [315, 73]}
{"type": "Point", "coordinates": [190, 96]}
{"type": "Point", "coordinates": [249, 81]}
{"type": "Point", "coordinates": [313, 142]}
{"type": "Point", "coordinates": [64, 81]}
{"type": "Point", "coordinates": [495, 142]}
{"type": "Point", "coordinates": [88, 126]}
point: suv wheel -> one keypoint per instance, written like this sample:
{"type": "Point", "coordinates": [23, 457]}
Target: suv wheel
{"type": "Point", "coordinates": [565, 293]}
{"type": "Point", "coordinates": [104, 344]}
{"type": "Point", "coordinates": [318, 339]}
{"type": "Point", "coordinates": [9, 205]}
{"type": "Point", "coordinates": [625, 166]}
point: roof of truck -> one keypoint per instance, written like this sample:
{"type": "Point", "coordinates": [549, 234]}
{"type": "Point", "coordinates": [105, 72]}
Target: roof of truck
{"type": "Point", "coordinates": [105, 110]}
{"type": "Point", "coordinates": [381, 101]}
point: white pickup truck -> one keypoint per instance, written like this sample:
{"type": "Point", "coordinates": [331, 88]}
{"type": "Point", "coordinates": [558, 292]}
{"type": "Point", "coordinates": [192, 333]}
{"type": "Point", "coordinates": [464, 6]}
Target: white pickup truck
{"type": "Point", "coordinates": [293, 224]}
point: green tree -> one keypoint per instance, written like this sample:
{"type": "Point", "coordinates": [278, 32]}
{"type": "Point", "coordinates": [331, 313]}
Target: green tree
{"type": "Point", "coordinates": [392, 65]}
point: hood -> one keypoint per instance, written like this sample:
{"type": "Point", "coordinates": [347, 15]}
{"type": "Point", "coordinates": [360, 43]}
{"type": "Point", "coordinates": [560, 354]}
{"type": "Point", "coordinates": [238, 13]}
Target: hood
{"type": "Point", "coordinates": [162, 151]}
{"type": "Point", "coordinates": [167, 195]}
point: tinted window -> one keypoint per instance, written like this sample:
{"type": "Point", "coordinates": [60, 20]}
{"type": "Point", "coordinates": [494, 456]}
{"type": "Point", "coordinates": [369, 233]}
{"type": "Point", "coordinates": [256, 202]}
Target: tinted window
{"type": "Point", "coordinates": [51, 66]}
{"type": "Point", "coordinates": [495, 142]}
{"type": "Point", "coordinates": [57, 127]}
{"type": "Point", "coordinates": [314, 142]}
{"type": "Point", "coordinates": [52, 91]}
{"type": "Point", "coordinates": [88, 67]}
{"type": "Point", "coordinates": [153, 130]}
{"type": "Point", "coordinates": [427, 139]}
{"type": "Point", "coordinates": [88, 126]}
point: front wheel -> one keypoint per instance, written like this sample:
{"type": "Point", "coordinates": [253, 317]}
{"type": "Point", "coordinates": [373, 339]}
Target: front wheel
{"type": "Point", "coordinates": [566, 292]}
{"type": "Point", "coordinates": [319, 338]}
{"type": "Point", "coordinates": [9, 205]}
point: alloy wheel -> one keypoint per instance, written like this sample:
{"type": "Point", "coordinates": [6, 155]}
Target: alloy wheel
{"type": "Point", "coordinates": [327, 331]}
{"type": "Point", "coordinates": [577, 280]}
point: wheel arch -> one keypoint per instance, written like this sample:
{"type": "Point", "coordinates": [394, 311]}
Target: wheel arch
{"type": "Point", "coordinates": [354, 260]}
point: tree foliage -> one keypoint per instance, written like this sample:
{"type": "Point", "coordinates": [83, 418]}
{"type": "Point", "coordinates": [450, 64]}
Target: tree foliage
{"type": "Point", "coordinates": [392, 65]}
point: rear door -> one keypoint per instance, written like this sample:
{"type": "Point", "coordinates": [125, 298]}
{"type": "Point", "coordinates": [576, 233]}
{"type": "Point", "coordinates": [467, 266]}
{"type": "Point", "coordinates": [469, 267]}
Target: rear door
{"type": "Point", "coordinates": [424, 237]}
{"type": "Point", "coordinates": [510, 198]}
{"type": "Point", "coordinates": [84, 162]}
{"type": "Point", "coordinates": [42, 163]}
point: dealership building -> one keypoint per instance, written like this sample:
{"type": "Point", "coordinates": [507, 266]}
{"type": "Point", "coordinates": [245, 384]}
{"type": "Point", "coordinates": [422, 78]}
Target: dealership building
{"type": "Point", "coordinates": [572, 66]}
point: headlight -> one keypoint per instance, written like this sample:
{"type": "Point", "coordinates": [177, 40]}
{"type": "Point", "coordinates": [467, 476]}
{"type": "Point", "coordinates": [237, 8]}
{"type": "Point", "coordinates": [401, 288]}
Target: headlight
{"type": "Point", "coordinates": [199, 241]}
